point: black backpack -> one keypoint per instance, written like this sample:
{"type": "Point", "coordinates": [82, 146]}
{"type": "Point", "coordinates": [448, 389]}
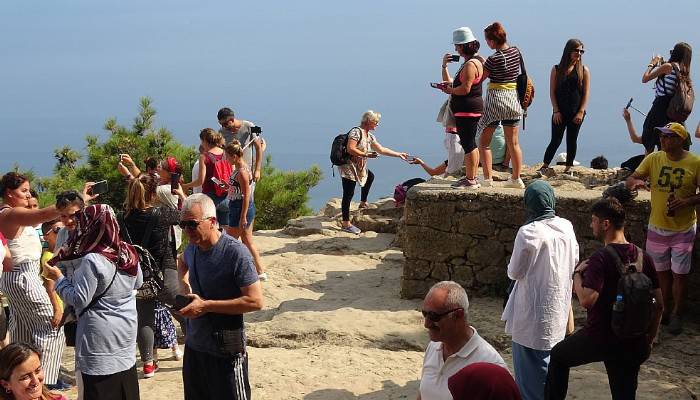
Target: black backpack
{"type": "Point", "coordinates": [339, 149]}
{"type": "Point", "coordinates": [634, 303]}
{"type": "Point", "coordinates": [153, 277]}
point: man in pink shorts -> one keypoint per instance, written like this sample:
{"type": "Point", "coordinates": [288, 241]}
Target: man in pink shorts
{"type": "Point", "coordinates": [674, 177]}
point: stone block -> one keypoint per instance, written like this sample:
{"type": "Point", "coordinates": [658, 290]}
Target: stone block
{"type": "Point", "coordinates": [440, 272]}
{"type": "Point", "coordinates": [375, 223]}
{"type": "Point", "coordinates": [464, 275]}
{"type": "Point", "coordinates": [433, 215]}
{"type": "Point", "coordinates": [507, 234]}
{"type": "Point", "coordinates": [491, 275]}
{"type": "Point", "coordinates": [486, 252]}
{"type": "Point", "coordinates": [431, 245]}
{"type": "Point", "coordinates": [416, 269]}
{"type": "Point", "coordinates": [415, 289]}
{"type": "Point", "coordinates": [474, 223]}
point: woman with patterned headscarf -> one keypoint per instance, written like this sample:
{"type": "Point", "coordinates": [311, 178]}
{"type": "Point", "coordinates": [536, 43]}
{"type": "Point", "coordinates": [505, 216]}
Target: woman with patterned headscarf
{"type": "Point", "coordinates": [102, 293]}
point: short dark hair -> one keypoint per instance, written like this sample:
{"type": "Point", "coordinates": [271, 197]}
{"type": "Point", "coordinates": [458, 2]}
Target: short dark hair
{"type": "Point", "coordinates": [224, 113]}
{"type": "Point", "coordinates": [599, 162]}
{"type": "Point", "coordinates": [46, 226]}
{"type": "Point", "coordinates": [611, 209]}
{"type": "Point", "coordinates": [151, 163]}
{"type": "Point", "coordinates": [33, 193]}
{"type": "Point", "coordinates": [11, 181]}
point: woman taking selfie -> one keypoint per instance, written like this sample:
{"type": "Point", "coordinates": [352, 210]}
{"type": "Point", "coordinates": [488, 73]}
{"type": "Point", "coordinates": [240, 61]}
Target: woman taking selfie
{"type": "Point", "coordinates": [569, 84]}
{"type": "Point", "coordinates": [32, 312]}
{"type": "Point", "coordinates": [22, 374]}
{"type": "Point", "coordinates": [465, 100]}
{"type": "Point", "coordinates": [667, 75]}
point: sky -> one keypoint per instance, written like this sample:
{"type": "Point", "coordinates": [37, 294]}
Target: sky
{"type": "Point", "coordinates": [305, 71]}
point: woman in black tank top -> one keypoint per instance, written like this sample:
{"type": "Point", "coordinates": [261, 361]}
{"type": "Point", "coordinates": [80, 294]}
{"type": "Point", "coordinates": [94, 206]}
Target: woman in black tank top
{"type": "Point", "coordinates": [568, 90]}
{"type": "Point", "coordinates": [466, 102]}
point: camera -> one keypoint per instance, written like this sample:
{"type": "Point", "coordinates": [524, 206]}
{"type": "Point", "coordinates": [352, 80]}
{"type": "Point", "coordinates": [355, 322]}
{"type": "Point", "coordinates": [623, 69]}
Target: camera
{"type": "Point", "coordinates": [256, 129]}
{"type": "Point", "coordinates": [454, 58]}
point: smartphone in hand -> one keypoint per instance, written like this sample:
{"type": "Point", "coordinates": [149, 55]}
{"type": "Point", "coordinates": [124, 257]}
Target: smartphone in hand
{"type": "Point", "coordinates": [218, 182]}
{"type": "Point", "coordinates": [98, 188]}
{"type": "Point", "coordinates": [438, 85]}
{"type": "Point", "coordinates": [181, 302]}
{"type": "Point", "coordinates": [454, 57]}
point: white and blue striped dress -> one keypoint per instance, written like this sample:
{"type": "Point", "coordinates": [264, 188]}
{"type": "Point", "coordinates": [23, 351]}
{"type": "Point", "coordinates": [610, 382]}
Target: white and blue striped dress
{"type": "Point", "coordinates": [30, 308]}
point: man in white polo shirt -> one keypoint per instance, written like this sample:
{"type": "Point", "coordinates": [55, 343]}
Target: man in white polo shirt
{"type": "Point", "coordinates": [454, 343]}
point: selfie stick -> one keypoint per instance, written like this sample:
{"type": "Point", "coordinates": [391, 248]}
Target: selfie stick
{"type": "Point", "coordinates": [629, 105]}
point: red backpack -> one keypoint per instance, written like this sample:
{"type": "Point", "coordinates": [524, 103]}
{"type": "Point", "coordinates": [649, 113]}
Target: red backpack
{"type": "Point", "coordinates": [222, 171]}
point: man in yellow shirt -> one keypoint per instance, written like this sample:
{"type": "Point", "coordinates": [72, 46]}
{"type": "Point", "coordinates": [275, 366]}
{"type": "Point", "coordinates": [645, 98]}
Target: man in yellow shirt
{"type": "Point", "coordinates": [674, 177]}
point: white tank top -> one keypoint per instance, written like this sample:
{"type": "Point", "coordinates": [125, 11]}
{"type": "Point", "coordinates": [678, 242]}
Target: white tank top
{"type": "Point", "coordinates": [26, 246]}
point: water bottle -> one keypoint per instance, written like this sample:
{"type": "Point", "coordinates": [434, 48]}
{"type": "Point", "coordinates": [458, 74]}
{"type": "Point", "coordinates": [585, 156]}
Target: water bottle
{"type": "Point", "coordinates": [619, 305]}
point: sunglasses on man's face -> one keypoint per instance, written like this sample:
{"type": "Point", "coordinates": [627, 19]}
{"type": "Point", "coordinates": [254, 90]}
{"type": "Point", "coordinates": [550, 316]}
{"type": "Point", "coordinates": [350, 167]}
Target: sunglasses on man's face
{"type": "Point", "coordinates": [191, 224]}
{"type": "Point", "coordinates": [435, 316]}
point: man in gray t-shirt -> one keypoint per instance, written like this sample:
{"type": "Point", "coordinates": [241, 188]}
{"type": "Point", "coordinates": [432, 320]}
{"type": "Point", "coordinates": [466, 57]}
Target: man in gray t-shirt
{"type": "Point", "coordinates": [222, 286]}
{"type": "Point", "coordinates": [232, 128]}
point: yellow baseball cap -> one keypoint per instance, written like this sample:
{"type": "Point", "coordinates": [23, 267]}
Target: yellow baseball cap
{"type": "Point", "coordinates": [673, 128]}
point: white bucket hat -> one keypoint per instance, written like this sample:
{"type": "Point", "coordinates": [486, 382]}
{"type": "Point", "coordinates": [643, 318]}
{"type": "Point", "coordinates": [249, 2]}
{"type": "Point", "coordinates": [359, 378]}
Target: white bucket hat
{"type": "Point", "coordinates": [462, 35]}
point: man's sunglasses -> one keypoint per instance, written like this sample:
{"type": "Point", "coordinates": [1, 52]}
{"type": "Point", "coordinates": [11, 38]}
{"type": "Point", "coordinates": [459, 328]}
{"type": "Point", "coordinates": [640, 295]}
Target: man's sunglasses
{"type": "Point", "coordinates": [436, 317]}
{"type": "Point", "coordinates": [191, 224]}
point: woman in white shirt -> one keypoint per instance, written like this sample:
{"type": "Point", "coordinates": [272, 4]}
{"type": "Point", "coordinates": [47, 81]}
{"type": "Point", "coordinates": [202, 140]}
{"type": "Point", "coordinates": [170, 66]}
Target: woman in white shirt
{"type": "Point", "coordinates": [545, 254]}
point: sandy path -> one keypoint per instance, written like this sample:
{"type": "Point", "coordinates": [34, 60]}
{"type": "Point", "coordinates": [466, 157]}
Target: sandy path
{"type": "Point", "coordinates": [335, 328]}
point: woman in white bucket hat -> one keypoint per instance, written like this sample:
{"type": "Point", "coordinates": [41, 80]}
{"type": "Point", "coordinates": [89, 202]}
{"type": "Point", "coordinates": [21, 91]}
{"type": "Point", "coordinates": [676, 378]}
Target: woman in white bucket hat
{"type": "Point", "coordinates": [466, 102]}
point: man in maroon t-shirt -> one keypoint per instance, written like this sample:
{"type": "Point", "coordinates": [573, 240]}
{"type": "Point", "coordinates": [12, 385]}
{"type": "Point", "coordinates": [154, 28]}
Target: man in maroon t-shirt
{"type": "Point", "coordinates": [595, 284]}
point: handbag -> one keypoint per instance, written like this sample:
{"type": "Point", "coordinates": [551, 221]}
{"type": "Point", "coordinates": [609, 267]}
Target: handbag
{"type": "Point", "coordinates": [153, 279]}
{"type": "Point", "coordinates": [525, 88]}
{"type": "Point", "coordinates": [69, 322]}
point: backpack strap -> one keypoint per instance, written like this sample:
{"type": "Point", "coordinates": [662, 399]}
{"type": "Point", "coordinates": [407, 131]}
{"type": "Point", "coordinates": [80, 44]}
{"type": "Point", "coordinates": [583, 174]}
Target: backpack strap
{"type": "Point", "coordinates": [639, 263]}
{"type": "Point", "coordinates": [616, 257]}
{"type": "Point", "coordinates": [522, 61]}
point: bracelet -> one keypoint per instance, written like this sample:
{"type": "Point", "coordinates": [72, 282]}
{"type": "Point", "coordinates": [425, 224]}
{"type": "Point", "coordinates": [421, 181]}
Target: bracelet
{"type": "Point", "coordinates": [444, 66]}
{"type": "Point", "coordinates": [556, 112]}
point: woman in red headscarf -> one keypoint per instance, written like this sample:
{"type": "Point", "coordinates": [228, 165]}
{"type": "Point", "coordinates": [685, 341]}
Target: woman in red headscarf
{"type": "Point", "coordinates": [483, 381]}
{"type": "Point", "coordinates": [102, 293]}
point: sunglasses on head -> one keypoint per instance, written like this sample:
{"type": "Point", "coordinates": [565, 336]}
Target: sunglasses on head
{"type": "Point", "coordinates": [435, 316]}
{"type": "Point", "coordinates": [191, 224]}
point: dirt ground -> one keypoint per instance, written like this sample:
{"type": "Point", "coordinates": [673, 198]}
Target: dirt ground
{"type": "Point", "coordinates": [335, 328]}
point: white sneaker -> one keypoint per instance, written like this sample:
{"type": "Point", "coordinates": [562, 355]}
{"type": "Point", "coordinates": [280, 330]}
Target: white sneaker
{"type": "Point", "coordinates": [514, 183]}
{"type": "Point", "coordinates": [263, 277]}
{"type": "Point", "coordinates": [177, 353]}
{"type": "Point", "coordinates": [487, 182]}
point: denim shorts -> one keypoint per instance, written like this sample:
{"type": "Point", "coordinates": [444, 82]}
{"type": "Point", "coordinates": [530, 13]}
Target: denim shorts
{"type": "Point", "coordinates": [234, 216]}
{"type": "Point", "coordinates": [221, 207]}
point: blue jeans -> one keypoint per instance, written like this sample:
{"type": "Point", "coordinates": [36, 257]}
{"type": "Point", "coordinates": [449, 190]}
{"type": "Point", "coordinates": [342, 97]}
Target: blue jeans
{"type": "Point", "coordinates": [235, 207]}
{"type": "Point", "coordinates": [530, 367]}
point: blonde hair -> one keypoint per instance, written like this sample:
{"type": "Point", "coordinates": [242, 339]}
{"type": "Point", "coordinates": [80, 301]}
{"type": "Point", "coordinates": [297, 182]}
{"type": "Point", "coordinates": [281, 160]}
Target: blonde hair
{"type": "Point", "coordinates": [234, 148]}
{"type": "Point", "coordinates": [141, 193]}
{"type": "Point", "coordinates": [370, 116]}
{"type": "Point", "coordinates": [211, 137]}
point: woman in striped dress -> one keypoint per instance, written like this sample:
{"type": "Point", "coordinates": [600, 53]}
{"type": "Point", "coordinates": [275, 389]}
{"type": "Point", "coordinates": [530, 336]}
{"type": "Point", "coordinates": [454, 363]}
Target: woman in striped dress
{"type": "Point", "coordinates": [501, 104]}
{"type": "Point", "coordinates": [666, 75]}
{"type": "Point", "coordinates": [32, 318]}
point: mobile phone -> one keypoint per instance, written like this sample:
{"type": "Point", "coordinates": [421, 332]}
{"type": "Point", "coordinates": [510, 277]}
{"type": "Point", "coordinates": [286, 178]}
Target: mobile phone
{"type": "Point", "coordinates": [99, 188]}
{"type": "Point", "coordinates": [629, 103]}
{"type": "Point", "coordinates": [174, 182]}
{"type": "Point", "coordinates": [181, 302]}
{"type": "Point", "coordinates": [411, 158]}
{"type": "Point", "coordinates": [255, 129]}
{"type": "Point", "coordinates": [437, 85]}
{"type": "Point", "coordinates": [372, 154]}
{"type": "Point", "coordinates": [454, 57]}
{"type": "Point", "coordinates": [218, 182]}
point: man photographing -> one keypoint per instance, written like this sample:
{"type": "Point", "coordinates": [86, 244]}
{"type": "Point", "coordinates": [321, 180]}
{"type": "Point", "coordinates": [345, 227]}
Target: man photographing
{"type": "Point", "coordinates": [247, 134]}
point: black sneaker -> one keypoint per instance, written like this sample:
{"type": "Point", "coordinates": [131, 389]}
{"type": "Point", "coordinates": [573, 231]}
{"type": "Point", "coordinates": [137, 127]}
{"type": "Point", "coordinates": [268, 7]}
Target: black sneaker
{"type": "Point", "coordinates": [675, 325]}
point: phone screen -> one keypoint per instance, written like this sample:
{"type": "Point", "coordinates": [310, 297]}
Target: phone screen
{"type": "Point", "coordinates": [99, 188]}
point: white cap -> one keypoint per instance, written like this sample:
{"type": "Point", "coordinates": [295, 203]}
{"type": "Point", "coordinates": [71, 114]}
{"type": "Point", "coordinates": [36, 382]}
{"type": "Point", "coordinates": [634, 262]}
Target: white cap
{"type": "Point", "coordinates": [561, 159]}
{"type": "Point", "coordinates": [462, 35]}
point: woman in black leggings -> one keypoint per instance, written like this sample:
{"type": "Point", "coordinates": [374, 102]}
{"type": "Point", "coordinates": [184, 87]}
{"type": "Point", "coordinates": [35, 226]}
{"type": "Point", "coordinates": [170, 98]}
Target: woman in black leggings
{"type": "Point", "coordinates": [362, 144]}
{"type": "Point", "coordinates": [568, 90]}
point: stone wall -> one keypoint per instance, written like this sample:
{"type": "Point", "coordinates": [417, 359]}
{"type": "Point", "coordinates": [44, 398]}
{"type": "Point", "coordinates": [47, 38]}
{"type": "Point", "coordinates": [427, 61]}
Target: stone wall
{"type": "Point", "coordinates": [467, 236]}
